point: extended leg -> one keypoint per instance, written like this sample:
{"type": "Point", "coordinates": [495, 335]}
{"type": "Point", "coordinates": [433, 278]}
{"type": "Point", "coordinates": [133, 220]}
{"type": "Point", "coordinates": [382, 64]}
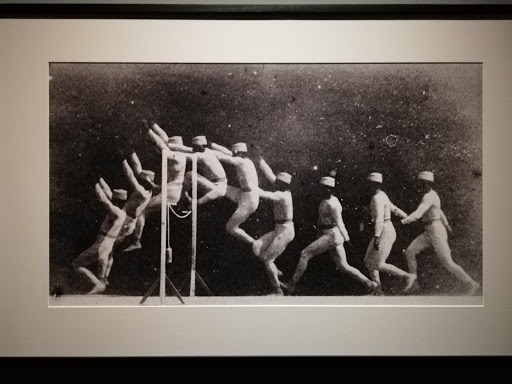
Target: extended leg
{"type": "Point", "coordinates": [340, 259]}
{"type": "Point", "coordinates": [443, 253]}
{"type": "Point", "coordinates": [317, 247]}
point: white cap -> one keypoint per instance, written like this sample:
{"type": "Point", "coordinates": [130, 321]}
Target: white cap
{"type": "Point", "coordinates": [284, 177]}
{"type": "Point", "coordinates": [239, 147]}
{"type": "Point", "coordinates": [327, 180]}
{"type": "Point", "coordinates": [375, 176]}
{"type": "Point", "coordinates": [176, 140]}
{"type": "Point", "coordinates": [147, 174]}
{"type": "Point", "coordinates": [199, 140]}
{"type": "Point", "coordinates": [426, 175]}
{"type": "Point", "coordinates": [119, 194]}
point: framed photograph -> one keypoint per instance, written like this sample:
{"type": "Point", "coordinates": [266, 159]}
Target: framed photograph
{"type": "Point", "coordinates": [228, 184]}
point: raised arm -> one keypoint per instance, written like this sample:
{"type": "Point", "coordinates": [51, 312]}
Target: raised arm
{"type": "Point", "coordinates": [425, 204]}
{"type": "Point", "coordinates": [220, 148]}
{"type": "Point", "coordinates": [340, 223]}
{"type": "Point", "coordinates": [136, 163]}
{"type": "Point", "coordinates": [131, 176]}
{"type": "Point", "coordinates": [106, 189]}
{"type": "Point", "coordinates": [160, 143]}
{"type": "Point", "coordinates": [103, 198]}
{"type": "Point", "coordinates": [267, 171]}
{"type": "Point", "coordinates": [160, 132]}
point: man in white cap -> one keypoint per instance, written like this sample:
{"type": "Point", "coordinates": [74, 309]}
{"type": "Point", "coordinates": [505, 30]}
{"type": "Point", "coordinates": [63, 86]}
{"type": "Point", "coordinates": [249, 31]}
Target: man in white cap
{"type": "Point", "coordinates": [211, 177]}
{"type": "Point", "coordinates": [271, 245]}
{"type": "Point", "coordinates": [331, 236]}
{"type": "Point", "coordinates": [141, 192]}
{"type": "Point", "coordinates": [434, 235]}
{"type": "Point", "coordinates": [247, 195]}
{"type": "Point", "coordinates": [176, 166]}
{"type": "Point", "coordinates": [100, 251]}
{"type": "Point", "coordinates": [384, 235]}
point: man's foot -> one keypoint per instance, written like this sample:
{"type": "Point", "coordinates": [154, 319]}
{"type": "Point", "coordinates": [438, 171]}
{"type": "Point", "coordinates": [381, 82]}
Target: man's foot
{"type": "Point", "coordinates": [288, 287]}
{"type": "Point", "coordinates": [372, 287]}
{"type": "Point", "coordinates": [473, 288]}
{"type": "Point", "coordinates": [256, 247]}
{"type": "Point", "coordinates": [412, 282]}
{"type": "Point", "coordinates": [187, 201]}
{"type": "Point", "coordinates": [98, 288]}
{"type": "Point", "coordinates": [106, 282]}
{"type": "Point", "coordinates": [134, 246]}
{"type": "Point", "coordinates": [277, 292]}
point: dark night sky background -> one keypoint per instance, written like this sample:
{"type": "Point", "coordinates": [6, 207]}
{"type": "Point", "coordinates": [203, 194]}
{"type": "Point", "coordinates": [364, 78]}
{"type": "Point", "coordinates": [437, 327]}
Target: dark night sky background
{"type": "Point", "coordinates": [397, 119]}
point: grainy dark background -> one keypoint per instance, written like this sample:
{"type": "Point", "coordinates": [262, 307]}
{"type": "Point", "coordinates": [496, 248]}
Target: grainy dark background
{"type": "Point", "coordinates": [397, 119]}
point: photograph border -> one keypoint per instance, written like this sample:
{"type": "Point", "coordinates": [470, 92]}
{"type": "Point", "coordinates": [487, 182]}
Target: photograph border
{"type": "Point", "coordinates": [33, 329]}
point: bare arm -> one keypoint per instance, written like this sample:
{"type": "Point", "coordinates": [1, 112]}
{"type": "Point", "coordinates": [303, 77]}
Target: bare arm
{"type": "Point", "coordinates": [378, 213]}
{"type": "Point", "coordinates": [268, 195]}
{"type": "Point", "coordinates": [180, 148]}
{"type": "Point", "coordinates": [340, 223]}
{"type": "Point", "coordinates": [422, 208]}
{"type": "Point", "coordinates": [267, 171]}
{"type": "Point", "coordinates": [160, 132]}
{"type": "Point", "coordinates": [444, 220]}
{"type": "Point", "coordinates": [131, 176]}
{"type": "Point", "coordinates": [106, 189]}
{"type": "Point", "coordinates": [398, 212]}
{"type": "Point", "coordinates": [160, 143]}
{"type": "Point", "coordinates": [220, 148]}
{"type": "Point", "coordinates": [223, 157]}
{"type": "Point", "coordinates": [103, 198]}
{"type": "Point", "coordinates": [136, 163]}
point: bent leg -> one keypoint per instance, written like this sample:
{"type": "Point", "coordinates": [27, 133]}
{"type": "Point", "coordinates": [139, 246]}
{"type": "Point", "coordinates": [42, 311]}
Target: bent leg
{"type": "Point", "coordinates": [88, 257]}
{"type": "Point", "coordinates": [137, 234]}
{"type": "Point", "coordinates": [263, 243]}
{"type": "Point", "coordinates": [212, 191]}
{"type": "Point", "coordinates": [246, 207]}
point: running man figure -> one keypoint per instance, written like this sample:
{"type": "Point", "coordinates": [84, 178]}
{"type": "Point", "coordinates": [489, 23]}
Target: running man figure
{"type": "Point", "coordinates": [332, 234]}
{"type": "Point", "coordinates": [435, 234]}
{"type": "Point", "coordinates": [384, 235]}
{"type": "Point", "coordinates": [99, 252]}
{"type": "Point", "coordinates": [271, 245]}
{"type": "Point", "coordinates": [247, 196]}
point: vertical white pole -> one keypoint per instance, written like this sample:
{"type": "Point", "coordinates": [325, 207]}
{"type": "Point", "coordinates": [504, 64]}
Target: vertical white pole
{"type": "Point", "coordinates": [163, 228]}
{"type": "Point", "coordinates": [194, 228]}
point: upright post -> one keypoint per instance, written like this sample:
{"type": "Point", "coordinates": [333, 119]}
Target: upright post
{"type": "Point", "coordinates": [163, 228]}
{"type": "Point", "coordinates": [194, 228]}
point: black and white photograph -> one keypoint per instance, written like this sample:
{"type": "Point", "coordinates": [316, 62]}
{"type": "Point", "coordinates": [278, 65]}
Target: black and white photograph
{"type": "Point", "coordinates": [265, 184]}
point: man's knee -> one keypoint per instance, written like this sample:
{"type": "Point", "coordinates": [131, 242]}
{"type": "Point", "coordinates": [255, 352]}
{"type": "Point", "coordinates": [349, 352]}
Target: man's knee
{"type": "Point", "coordinates": [231, 227]}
